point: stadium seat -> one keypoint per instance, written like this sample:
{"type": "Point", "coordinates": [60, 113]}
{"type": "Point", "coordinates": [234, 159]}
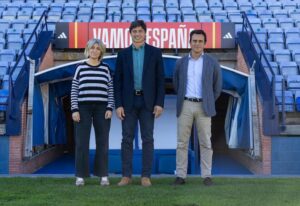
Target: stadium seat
{"type": "Point", "coordinates": [2, 43]}
{"type": "Point", "coordinates": [283, 55]}
{"type": "Point", "coordinates": [9, 15]}
{"type": "Point", "coordinates": [7, 55]}
{"type": "Point", "coordinates": [294, 14]}
{"type": "Point", "coordinates": [293, 83]}
{"type": "Point", "coordinates": [69, 16]}
{"type": "Point", "coordinates": [261, 33]}
{"type": "Point", "coordinates": [275, 43]}
{"type": "Point", "coordinates": [129, 15]}
{"type": "Point", "coordinates": [57, 7]}
{"type": "Point", "coordinates": [200, 6]}
{"type": "Point", "coordinates": [259, 6]}
{"type": "Point", "coordinates": [293, 43]}
{"type": "Point", "coordinates": [292, 32]}
{"type": "Point", "coordinates": [289, 5]}
{"type": "Point", "coordinates": [263, 14]}
{"type": "Point", "coordinates": [159, 16]}
{"type": "Point", "coordinates": [173, 15]}
{"type": "Point", "coordinates": [297, 99]}
{"type": "Point", "coordinates": [19, 24]}
{"type": "Point", "coordinates": [280, 14]}
{"type": "Point", "coordinates": [288, 100]}
{"type": "Point", "coordinates": [269, 23]}
{"type": "Point", "coordinates": [13, 33]}
{"type": "Point", "coordinates": [279, 81]}
{"type": "Point", "coordinates": [230, 5]}
{"type": "Point", "coordinates": [13, 7]}
{"type": "Point", "coordinates": [296, 55]}
{"type": "Point", "coordinates": [144, 14]}
{"type": "Point", "coordinates": [286, 23]}
{"type": "Point", "coordinates": [245, 6]}
{"type": "Point", "coordinates": [255, 22]}
{"type": "Point", "coordinates": [269, 56]}
{"type": "Point", "coordinates": [15, 44]}
{"type": "Point", "coordinates": [4, 68]}
{"type": "Point", "coordinates": [288, 68]}
{"type": "Point", "coordinates": [24, 15]}
{"type": "Point", "coordinates": [275, 5]}
{"type": "Point", "coordinates": [215, 5]}
{"type": "Point", "coordinates": [4, 24]}
{"type": "Point", "coordinates": [54, 16]}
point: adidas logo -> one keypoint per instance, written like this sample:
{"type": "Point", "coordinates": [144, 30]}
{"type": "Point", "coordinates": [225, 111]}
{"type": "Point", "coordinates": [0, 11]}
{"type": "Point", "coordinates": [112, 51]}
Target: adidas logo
{"type": "Point", "coordinates": [227, 36]}
{"type": "Point", "coordinates": [62, 36]}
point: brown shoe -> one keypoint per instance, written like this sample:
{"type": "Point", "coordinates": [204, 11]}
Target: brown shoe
{"type": "Point", "coordinates": [125, 181]}
{"type": "Point", "coordinates": [145, 182]}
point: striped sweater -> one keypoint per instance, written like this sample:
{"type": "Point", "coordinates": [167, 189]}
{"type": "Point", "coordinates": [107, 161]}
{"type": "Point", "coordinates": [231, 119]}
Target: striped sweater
{"type": "Point", "coordinates": [92, 84]}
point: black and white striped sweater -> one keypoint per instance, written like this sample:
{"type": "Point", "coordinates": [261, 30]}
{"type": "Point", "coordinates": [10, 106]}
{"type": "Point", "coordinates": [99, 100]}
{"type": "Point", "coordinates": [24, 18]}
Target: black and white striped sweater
{"type": "Point", "coordinates": [92, 84]}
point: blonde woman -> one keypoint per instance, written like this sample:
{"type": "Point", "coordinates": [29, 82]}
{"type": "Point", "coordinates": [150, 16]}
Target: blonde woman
{"type": "Point", "coordinates": [92, 102]}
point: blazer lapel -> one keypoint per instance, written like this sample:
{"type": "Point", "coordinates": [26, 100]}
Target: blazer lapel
{"type": "Point", "coordinates": [130, 60]}
{"type": "Point", "coordinates": [147, 58]}
{"type": "Point", "coordinates": [185, 71]}
{"type": "Point", "coordinates": [205, 69]}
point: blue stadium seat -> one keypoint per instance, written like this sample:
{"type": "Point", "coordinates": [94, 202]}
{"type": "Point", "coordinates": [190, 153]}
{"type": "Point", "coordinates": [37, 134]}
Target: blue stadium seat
{"type": "Point", "coordinates": [275, 33]}
{"type": "Point", "coordinates": [100, 6]}
{"type": "Point", "coordinates": [7, 55]}
{"type": "Point", "coordinates": [292, 32]}
{"type": "Point", "coordinates": [297, 99]}
{"type": "Point", "coordinates": [159, 16]}
{"type": "Point", "coordinates": [2, 43]}
{"type": "Point", "coordinates": [286, 23]}
{"type": "Point", "coordinates": [288, 98]}
{"type": "Point", "coordinates": [143, 4]}
{"type": "Point", "coordinates": [98, 16]}
{"type": "Point", "coordinates": [9, 15]}
{"type": "Point", "coordinates": [27, 33]}
{"type": "Point", "coordinates": [13, 33]}
{"type": "Point", "coordinates": [157, 5]}
{"type": "Point", "coordinates": [293, 83]}
{"type": "Point", "coordinates": [245, 6]}
{"type": "Point", "coordinates": [57, 7]}
{"type": "Point", "coordinates": [4, 25]}
{"type": "Point", "coordinates": [275, 5]}
{"type": "Point", "coordinates": [294, 14]}
{"type": "Point", "coordinates": [279, 81]}
{"type": "Point", "coordinates": [68, 16]}
{"type": "Point", "coordinates": [201, 6]}
{"type": "Point", "coordinates": [19, 24]}
{"type": "Point", "coordinates": [113, 16]}
{"type": "Point", "coordinates": [269, 23]}
{"type": "Point", "coordinates": [54, 16]}
{"type": "Point", "coordinates": [215, 5]}
{"type": "Point", "coordinates": [275, 43]}
{"type": "Point", "coordinates": [37, 14]}
{"type": "Point", "coordinates": [280, 14]}
{"type": "Point", "coordinates": [83, 16]}
{"type": "Point", "coordinates": [173, 15]}
{"type": "Point", "coordinates": [269, 56]}
{"type": "Point", "coordinates": [293, 43]}
{"type": "Point", "coordinates": [296, 55]}
{"type": "Point", "coordinates": [255, 22]}
{"type": "Point", "coordinates": [4, 67]}
{"type": "Point", "coordinates": [129, 15]}
{"type": "Point", "coordinates": [85, 7]}
{"type": "Point", "coordinates": [143, 13]}
{"type": "Point", "coordinates": [15, 44]}
{"type": "Point", "coordinates": [261, 33]}
{"type": "Point", "coordinates": [289, 5]}
{"type": "Point", "coordinates": [24, 14]}
{"type": "Point", "coordinates": [31, 23]}
{"type": "Point", "coordinates": [73, 7]}
{"type": "Point", "coordinates": [264, 14]}
{"type": "Point", "coordinates": [282, 55]}
{"type": "Point", "coordinates": [230, 5]}
{"type": "Point", "coordinates": [288, 68]}
{"type": "Point", "coordinates": [259, 6]}
{"type": "Point", "coordinates": [46, 1]}
{"type": "Point", "coordinates": [13, 7]}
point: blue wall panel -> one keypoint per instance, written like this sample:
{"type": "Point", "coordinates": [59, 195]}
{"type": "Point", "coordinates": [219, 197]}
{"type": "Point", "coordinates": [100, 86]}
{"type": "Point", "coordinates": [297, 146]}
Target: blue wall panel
{"type": "Point", "coordinates": [285, 155]}
{"type": "Point", "coordinates": [4, 155]}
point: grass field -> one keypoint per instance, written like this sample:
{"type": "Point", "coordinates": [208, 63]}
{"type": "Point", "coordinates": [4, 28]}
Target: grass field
{"type": "Point", "coordinates": [226, 192]}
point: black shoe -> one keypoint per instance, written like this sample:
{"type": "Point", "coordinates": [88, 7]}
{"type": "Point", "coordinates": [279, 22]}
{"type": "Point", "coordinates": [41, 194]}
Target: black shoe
{"type": "Point", "coordinates": [208, 181]}
{"type": "Point", "coordinates": [178, 181]}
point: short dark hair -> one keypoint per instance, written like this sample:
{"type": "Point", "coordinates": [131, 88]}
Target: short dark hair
{"type": "Point", "coordinates": [137, 23]}
{"type": "Point", "coordinates": [198, 31]}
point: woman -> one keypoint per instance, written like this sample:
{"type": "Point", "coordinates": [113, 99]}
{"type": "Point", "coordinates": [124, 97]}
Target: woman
{"type": "Point", "coordinates": [92, 103]}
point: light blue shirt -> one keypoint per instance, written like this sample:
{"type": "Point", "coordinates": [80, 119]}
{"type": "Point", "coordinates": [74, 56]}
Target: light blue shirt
{"type": "Point", "coordinates": [194, 77]}
{"type": "Point", "coordinates": [138, 64]}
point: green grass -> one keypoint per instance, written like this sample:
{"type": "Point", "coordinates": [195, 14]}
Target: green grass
{"type": "Point", "coordinates": [226, 192]}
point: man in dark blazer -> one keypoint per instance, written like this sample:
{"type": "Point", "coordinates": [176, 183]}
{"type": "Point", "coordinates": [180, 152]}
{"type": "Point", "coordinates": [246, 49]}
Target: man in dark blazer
{"type": "Point", "coordinates": [198, 83]}
{"type": "Point", "coordinates": [139, 96]}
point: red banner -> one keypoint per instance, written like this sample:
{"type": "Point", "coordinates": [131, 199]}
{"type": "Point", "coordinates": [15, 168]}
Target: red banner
{"type": "Point", "coordinates": [162, 35]}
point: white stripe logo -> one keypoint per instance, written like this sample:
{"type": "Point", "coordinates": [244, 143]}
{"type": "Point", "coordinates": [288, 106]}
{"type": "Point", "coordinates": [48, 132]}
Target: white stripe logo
{"type": "Point", "coordinates": [62, 36]}
{"type": "Point", "coordinates": [227, 36]}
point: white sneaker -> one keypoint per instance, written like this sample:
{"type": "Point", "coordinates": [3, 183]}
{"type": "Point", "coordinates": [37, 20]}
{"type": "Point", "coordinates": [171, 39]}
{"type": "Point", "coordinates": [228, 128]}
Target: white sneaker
{"type": "Point", "coordinates": [79, 181]}
{"type": "Point", "coordinates": [104, 181]}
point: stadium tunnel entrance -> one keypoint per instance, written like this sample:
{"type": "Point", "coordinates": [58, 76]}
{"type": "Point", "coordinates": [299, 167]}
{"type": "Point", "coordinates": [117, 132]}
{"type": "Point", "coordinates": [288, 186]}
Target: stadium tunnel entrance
{"type": "Point", "coordinates": [230, 127]}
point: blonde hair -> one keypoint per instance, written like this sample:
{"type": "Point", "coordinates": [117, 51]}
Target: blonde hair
{"type": "Point", "coordinates": [91, 43]}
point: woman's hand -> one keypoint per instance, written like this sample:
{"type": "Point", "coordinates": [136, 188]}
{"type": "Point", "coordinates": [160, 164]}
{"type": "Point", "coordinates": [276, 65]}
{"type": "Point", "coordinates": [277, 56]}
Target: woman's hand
{"type": "Point", "coordinates": [108, 114]}
{"type": "Point", "coordinates": [76, 116]}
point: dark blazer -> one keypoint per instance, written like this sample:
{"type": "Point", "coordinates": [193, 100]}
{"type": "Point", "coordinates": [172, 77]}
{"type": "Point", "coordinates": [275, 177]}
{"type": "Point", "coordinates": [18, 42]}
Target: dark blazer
{"type": "Point", "coordinates": [211, 83]}
{"type": "Point", "coordinates": [152, 80]}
